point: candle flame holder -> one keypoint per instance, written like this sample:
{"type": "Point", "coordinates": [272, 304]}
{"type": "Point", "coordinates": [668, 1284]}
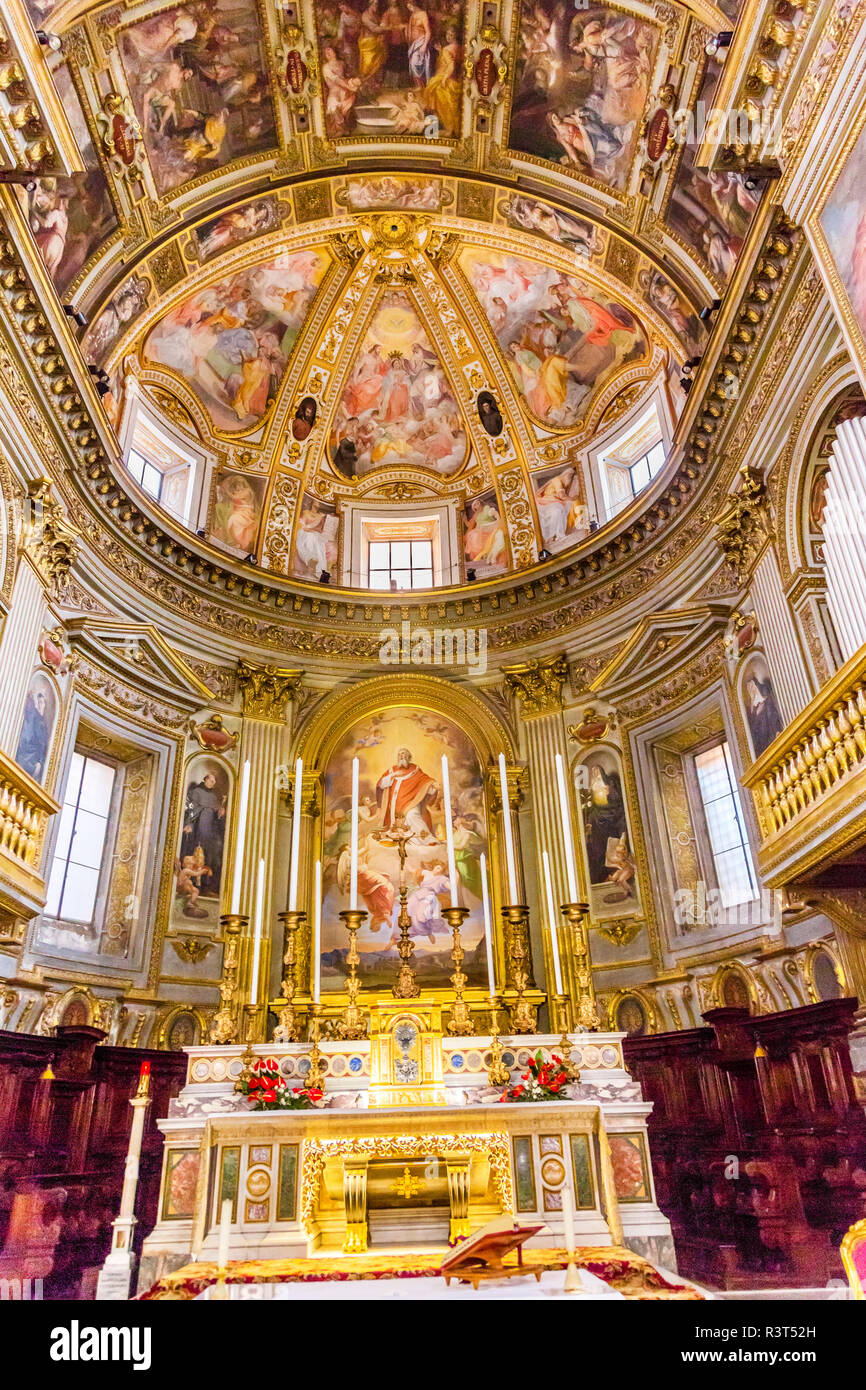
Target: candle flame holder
{"type": "Point", "coordinates": [353, 1024]}
{"type": "Point", "coordinates": [460, 1019]}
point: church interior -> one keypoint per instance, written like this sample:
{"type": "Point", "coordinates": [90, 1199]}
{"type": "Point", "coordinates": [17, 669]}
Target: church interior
{"type": "Point", "coordinates": [433, 649]}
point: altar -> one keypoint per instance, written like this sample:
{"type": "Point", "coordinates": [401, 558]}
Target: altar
{"type": "Point", "coordinates": [350, 1176]}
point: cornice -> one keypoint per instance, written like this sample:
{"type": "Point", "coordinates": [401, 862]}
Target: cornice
{"type": "Point", "coordinates": [187, 575]}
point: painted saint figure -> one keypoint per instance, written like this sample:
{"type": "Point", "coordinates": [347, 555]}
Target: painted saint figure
{"type": "Point", "coordinates": [403, 793]}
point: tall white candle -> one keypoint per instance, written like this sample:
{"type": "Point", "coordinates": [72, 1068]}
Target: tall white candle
{"type": "Point", "coordinates": [296, 836]}
{"type": "Point", "coordinates": [449, 832]}
{"type": "Point", "coordinates": [552, 922]}
{"type": "Point", "coordinates": [257, 933]}
{"type": "Point", "coordinates": [224, 1233]}
{"type": "Point", "coordinates": [488, 934]}
{"type": "Point", "coordinates": [568, 1217]}
{"type": "Point", "coordinates": [565, 817]}
{"type": "Point", "coordinates": [240, 839]}
{"type": "Point", "coordinates": [509, 838]}
{"type": "Point", "coordinates": [317, 931]}
{"type": "Point", "coordinates": [353, 879]}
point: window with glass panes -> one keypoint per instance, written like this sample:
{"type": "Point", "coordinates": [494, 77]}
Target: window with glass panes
{"type": "Point", "coordinates": [73, 884]}
{"type": "Point", "coordinates": [646, 468]}
{"type": "Point", "coordinates": [723, 813]}
{"type": "Point", "coordinates": [400, 564]}
{"type": "Point", "coordinates": [145, 474]}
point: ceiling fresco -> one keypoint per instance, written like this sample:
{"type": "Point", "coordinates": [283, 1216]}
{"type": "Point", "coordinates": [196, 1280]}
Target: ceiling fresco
{"type": "Point", "coordinates": [388, 249]}
{"type": "Point", "coordinates": [231, 341]}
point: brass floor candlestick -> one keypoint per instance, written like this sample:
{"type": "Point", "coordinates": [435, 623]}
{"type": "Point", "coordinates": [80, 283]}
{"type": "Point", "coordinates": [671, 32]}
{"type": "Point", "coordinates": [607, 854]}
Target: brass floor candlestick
{"type": "Point", "coordinates": [497, 1073]}
{"type": "Point", "coordinates": [575, 915]}
{"type": "Point", "coordinates": [316, 1074]}
{"type": "Point", "coordinates": [353, 1024]}
{"type": "Point", "coordinates": [460, 1023]}
{"type": "Point", "coordinates": [524, 1015]}
{"type": "Point", "coordinates": [224, 1024]}
{"type": "Point", "coordinates": [287, 1029]}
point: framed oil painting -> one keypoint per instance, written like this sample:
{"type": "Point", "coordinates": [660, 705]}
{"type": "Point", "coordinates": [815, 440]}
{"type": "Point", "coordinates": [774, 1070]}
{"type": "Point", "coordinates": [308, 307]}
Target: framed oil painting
{"type": "Point", "coordinates": [608, 845]}
{"type": "Point", "coordinates": [837, 230]}
{"type": "Point", "coordinates": [198, 870]}
{"type": "Point", "coordinates": [400, 757]}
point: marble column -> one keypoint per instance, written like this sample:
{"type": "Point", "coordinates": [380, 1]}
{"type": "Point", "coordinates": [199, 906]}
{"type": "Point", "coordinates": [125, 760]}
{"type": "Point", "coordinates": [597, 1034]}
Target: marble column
{"type": "Point", "coordinates": [780, 637]}
{"type": "Point", "coordinates": [27, 616]}
{"type": "Point", "coordinates": [845, 535]}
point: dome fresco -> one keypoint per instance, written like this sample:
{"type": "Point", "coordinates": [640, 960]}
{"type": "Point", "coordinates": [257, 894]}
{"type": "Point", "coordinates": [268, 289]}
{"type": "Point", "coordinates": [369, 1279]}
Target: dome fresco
{"type": "Point", "coordinates": [523, 298]}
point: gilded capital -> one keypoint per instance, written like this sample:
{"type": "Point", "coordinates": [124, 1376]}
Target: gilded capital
{"type": "Point", "coordinates": [266, 690]}
{"type": "Point", "coordinates": [538, 684]}
{"type": "Point", "coordinates": [741, 526]}
{"type": "Point", "coordinates": [517, 776]}
{"type": "Point", "coordinates": [48, 538]}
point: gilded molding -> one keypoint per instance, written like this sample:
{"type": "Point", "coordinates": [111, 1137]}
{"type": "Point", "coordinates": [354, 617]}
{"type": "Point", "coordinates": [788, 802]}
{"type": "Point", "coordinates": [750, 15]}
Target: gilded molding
{"type": "Point", "coordinates": [266, 690]}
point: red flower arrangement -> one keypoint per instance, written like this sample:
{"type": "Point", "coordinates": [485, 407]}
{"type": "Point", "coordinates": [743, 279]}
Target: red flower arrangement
{"type": "Point", "coordinates": [542, 1081]}
{"type": "Point", "coordinates": [267, 1089]}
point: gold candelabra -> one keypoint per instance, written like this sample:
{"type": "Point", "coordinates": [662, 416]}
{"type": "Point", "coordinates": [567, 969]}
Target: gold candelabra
{"type": "Point", "coordinates": [575, 915]}
{"type": "Point", "coordinates": [460, 1019]}
{"type": "Point", "coordinates": [497, 1073]}
{"type": "Point", "coordinates": [224, 1024]}
{"type": "Point", "coordinates": [316, 1074]}
{"type": "Point", "coordinates": [523, 1013]}
{"type": "Point", "coordinates": [353, 1024]}
{"type": "Point", "coordinates": [287, 1029]}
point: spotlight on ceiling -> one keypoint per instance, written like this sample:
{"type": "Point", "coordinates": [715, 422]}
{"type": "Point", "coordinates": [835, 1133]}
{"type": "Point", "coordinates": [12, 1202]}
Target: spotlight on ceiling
{"type": "Point", "coordinates": [201, 533]}
{"type": "Point", "coordinates": [52, 41]}
{"type": "Point", "coordinates": [325, 577]}
{"type": "Point", "coordinates": [717, 43]}
{"type": "Point", "coordinates": [250, 559]}
{"type": "Point", "coordinates": [707, 312]}
{"type": "Point", "coordinates": [593, 523]}
{"type": "Point", "coordinates": [470, 576]}
{"type": "Point", "coordinates": [692, 363]}
{"type": "Point", "coordinates": [75, 315]}
{"type": "Point", "coordinates": [686, 383]}
{"type": "Point", "coordinates": [102, 388]}
{"type": "Point", "coordinates": [544, 555]}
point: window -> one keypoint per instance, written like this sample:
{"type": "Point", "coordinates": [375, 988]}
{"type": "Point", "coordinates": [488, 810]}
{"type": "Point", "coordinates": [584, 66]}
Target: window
{"type": "Point", "coordinates": [631, 462]}
{"type": "Point", "coordinates": [160, 466]}
{"type": "Point", "coordinates": [405, 564]}
{"type": "Point", "coordinates": [723, 813]}
{"type": "Point", "coordinates": [145, 474]}
{"type": "Point", "coordinates": [75, 871]}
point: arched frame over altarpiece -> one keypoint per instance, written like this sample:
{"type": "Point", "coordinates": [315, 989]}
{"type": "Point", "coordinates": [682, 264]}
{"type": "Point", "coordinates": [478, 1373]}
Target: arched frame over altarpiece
{"type": "Point", "coordinates": [371, 720]}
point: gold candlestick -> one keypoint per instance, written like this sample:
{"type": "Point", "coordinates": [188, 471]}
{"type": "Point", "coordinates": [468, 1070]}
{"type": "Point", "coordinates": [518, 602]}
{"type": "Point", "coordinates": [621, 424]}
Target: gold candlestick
{"type": "Point", "coordinates": [287, 1029]}
{"type": "Point", "coordinates": [460, 1019]}
{"type": "Point", "coordinates": [524, 1015]}
{"type": "Point", "coordinates": [561, 1012]}
{"type": "Point", "coordinates": [316, 1074]}
{"type": "Point", "coordinates": [497, 1073]}
{"type": "Point", "coordinates": [224, 1024]}
{"type": "Point", "coordinates": [353, 1024]}
{"type": "Point", "coordinates": [575, 915]}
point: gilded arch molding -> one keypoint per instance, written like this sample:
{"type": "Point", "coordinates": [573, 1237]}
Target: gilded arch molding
{"type": "Point", "coordinates": [336, 714]}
